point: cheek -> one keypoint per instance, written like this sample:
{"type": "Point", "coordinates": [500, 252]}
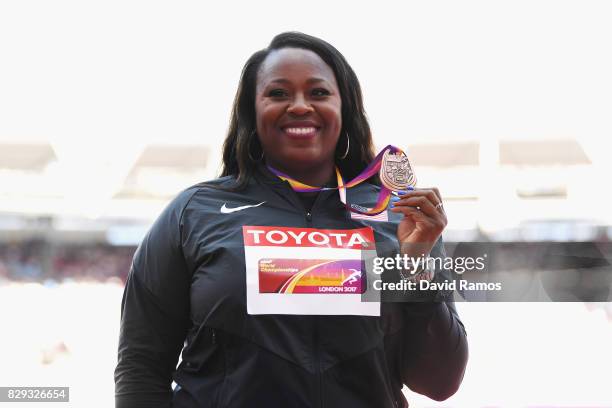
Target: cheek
{"type": "Point", "coordinates": [335, 109]}
{"type": "Point", "coordinates": [266, 115]}
{"type": "Point", "coordinates": [333, 116]}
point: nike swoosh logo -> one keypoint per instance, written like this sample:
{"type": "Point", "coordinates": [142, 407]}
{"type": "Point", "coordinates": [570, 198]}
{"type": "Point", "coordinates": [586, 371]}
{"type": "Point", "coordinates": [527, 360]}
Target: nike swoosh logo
{"type": "Point", "coordinates": [225, 210]}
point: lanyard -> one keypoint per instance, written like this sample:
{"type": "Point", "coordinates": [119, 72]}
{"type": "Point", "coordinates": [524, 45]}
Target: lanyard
{"type": "Point", "coordinates": [383, 196]}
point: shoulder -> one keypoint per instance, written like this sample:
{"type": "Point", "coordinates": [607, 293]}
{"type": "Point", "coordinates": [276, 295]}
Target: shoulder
{"type": "Point", "coordinates": [217, 184]}
{"type": "Point", "coordinates": [210, 188]}
{"type": "Point", "coordinates": [203, 191]}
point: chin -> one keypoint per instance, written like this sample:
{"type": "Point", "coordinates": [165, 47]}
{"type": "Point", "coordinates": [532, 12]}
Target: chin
{"type": "Point", "coordinates": [309, 154]}
{"type": "Point", "coordinates": [315, 159]}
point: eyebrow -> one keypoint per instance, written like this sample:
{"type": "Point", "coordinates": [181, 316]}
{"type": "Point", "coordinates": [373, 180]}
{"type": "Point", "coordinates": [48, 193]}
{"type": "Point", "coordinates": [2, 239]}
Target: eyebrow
{"type": "Point", "coordinates": [308, 81]}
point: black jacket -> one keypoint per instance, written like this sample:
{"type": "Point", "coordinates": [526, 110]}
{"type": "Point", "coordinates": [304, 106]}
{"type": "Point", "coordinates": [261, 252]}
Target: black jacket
{"type": "Point", "coordinates": [186, 291]}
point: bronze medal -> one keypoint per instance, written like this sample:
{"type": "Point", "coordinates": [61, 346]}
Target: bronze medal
{"type": "Point", "coordinates": [395, 171]}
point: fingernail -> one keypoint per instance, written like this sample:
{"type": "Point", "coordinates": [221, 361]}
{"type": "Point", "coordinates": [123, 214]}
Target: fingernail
{"type": "Point", "coordinates": [402, 192]}
{"type": "Point", "coordinates": [394, 199]}
{"type": "Point", "coordinates": [391, 204]}
{"type": "Point", "coordinates": [410, 188]}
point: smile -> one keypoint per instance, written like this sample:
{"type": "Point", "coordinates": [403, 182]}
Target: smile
{"type": "Point", "coordinates": [301, 131]}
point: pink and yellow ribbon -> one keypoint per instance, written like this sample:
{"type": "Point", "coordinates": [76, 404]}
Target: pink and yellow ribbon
{"type": "Point", "coordinates": [373, 168]}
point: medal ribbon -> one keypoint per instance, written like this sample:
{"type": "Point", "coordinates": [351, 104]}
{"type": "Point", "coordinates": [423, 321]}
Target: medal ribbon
{"type": "Point", "coordinates": [373, 168]}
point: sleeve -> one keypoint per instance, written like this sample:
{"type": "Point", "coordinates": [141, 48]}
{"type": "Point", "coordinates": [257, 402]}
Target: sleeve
{"type": "Point", "coordinates": [154, 315]}
{"type": "Point", "coordinates": [434, 349]}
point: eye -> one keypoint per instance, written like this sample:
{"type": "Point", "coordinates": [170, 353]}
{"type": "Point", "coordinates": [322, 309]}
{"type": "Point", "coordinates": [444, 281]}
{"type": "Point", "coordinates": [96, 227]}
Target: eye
{"type": "Point", "coordinates": [277, 93]}
{"type": "Point", "coordinates": [320, 92]}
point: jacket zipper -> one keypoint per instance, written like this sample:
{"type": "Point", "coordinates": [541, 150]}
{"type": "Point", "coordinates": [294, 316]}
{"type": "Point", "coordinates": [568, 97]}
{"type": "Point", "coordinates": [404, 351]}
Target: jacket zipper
{"type": "Point", "coordinates": [316, 334]}
{"type": "Point", "coordinates": [307, 213]}
{"type": "Point", "coordinates": [223, 345]}
{"type": "Point", "coordinates": [317, 357]}
{"type": "Point", "coordinates": [319, 379]}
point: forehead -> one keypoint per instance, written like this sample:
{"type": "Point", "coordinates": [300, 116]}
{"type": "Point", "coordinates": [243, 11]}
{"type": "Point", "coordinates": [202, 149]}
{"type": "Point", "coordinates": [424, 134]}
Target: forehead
{"type": "Point", "coordinates": [294, 64]}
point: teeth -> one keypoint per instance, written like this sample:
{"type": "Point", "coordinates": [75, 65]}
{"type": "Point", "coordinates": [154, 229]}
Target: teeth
{"type": "Point", "coordinates": [300, 131]}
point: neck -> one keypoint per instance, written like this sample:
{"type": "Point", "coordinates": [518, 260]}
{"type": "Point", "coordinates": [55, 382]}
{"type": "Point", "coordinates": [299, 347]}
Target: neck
{"type": "Point", "coordinates": [315, 176]}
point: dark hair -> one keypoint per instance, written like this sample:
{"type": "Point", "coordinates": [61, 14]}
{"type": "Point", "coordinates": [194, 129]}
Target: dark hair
{"type": "Point", "coordinates": [236, 159]}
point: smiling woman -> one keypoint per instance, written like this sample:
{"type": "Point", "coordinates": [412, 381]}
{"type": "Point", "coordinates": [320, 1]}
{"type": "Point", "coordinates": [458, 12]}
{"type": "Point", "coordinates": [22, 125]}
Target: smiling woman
{"type": "Point", "coordinates": [258, 282]}
{"type": "Point", "coordinates": [323, 93]}
{"type": "Point", "coordinates": [299, 116]}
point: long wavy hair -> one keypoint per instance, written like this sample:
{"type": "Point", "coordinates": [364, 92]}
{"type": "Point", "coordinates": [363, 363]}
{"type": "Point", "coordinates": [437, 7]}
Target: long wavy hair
{"type": "Point", "coordinates": [240, 161]}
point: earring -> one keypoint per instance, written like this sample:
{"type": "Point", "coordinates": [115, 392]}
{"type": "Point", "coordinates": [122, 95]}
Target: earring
{"type": "Point", "coordinates": [249, 148]}
{"type": "Point", "coordinates": [348, 145]}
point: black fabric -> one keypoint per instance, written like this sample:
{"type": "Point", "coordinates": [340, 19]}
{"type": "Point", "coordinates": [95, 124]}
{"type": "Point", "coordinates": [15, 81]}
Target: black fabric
{"type": "Point", "coordinates": [186, 291]}
{"type": "Point", "coordinates": [308, 199]}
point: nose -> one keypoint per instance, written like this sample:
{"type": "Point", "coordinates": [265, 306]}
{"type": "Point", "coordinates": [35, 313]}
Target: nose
{"type": "Point", "coordinates": [299, 106]}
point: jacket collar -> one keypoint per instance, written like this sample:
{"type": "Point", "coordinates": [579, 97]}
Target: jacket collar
{"type": "Point", "coordinates": [263, 174]}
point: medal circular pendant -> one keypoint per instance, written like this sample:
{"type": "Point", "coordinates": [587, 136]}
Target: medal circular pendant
{"type": "Point", "coordinates": [395, 171]}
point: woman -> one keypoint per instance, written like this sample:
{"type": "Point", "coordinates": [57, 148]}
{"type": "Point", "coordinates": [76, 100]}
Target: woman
{"type": "Point", "coordinates": [298, 114]}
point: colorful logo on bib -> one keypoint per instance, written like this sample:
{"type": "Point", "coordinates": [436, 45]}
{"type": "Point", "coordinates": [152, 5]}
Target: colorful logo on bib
{"type": "Point", "coordinates": [311, 276]}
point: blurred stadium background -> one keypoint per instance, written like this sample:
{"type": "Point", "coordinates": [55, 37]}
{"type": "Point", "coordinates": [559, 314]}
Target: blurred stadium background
{"type": "Point", "coordinates": [64, 259]}
{"type": "Point", "coordinates": [107, 113]}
